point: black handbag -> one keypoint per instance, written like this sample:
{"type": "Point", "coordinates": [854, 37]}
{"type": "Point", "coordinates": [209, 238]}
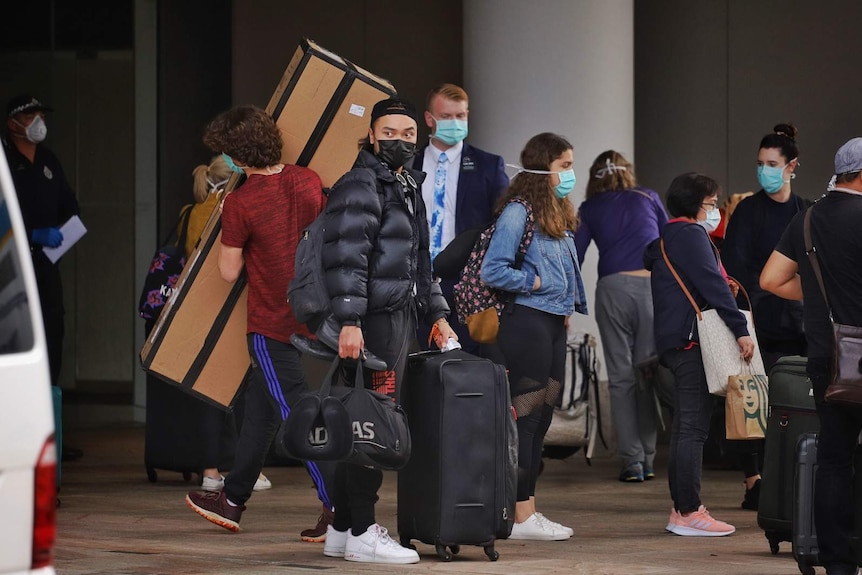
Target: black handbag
{"type": "Point", "coordinates": [165, 269]}
{"type": "Point", "coordinates": [375, 423]}
{"type": "Point", "coordinates": [846, 385]}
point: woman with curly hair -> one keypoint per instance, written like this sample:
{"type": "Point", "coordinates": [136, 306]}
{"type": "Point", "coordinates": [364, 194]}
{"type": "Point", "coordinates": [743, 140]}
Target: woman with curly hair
{"type": "Point", "coordinates": [545, 289]}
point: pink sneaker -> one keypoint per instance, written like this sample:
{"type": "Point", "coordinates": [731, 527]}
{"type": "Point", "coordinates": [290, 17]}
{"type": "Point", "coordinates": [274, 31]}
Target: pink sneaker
{"type": "Point", "coordinates": [673, 520]}
{"type": "Point", "coordinates": [698, 524]}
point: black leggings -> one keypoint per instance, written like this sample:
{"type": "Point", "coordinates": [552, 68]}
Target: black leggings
{"type": "Point", "coordinates": [533, 343]}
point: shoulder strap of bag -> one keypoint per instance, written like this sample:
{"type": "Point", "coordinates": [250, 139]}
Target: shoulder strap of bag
{"type": "Point", "coordinates": [523, 245]}
{"type": "Point", "coordinates": [679, 281]}
{"type": "Point", "coordinates": [183, 225]}
{"type": "Point", "coordinates": [811, 252]}
{"type": "Point", "coordinates": [688, 293]}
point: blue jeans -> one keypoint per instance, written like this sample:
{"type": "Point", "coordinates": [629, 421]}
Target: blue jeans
{"type": "Point", "coordinates": [836, 445]}
{"type": "Point", "coordinates": [692, 409]}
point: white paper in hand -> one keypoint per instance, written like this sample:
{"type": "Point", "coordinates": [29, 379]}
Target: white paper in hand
{"type": "Point", "coordinates": [73, 230]}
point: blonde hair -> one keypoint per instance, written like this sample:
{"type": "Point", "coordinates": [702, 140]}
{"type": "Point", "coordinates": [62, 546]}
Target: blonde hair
{"type": "Point", "coordinates": [448, 91]}
{"type": "Point", "coordinates": [210, 178]}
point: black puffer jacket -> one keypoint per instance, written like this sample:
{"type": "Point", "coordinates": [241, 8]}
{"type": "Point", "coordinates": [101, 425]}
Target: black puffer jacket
{"type": "Point", "coordinates": [374, 249]}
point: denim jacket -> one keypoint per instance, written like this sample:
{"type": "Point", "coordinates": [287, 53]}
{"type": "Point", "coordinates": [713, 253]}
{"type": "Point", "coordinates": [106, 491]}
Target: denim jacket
{"type": "Point", "coordinates": [553, 260]}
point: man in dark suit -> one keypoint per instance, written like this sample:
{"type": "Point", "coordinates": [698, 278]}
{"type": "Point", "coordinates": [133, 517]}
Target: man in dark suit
{"type": "Point", "coordinates": [463, 186]}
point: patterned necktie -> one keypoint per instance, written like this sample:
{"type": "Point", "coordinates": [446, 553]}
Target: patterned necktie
{"type": "Point", "coordinates": [437, 211]}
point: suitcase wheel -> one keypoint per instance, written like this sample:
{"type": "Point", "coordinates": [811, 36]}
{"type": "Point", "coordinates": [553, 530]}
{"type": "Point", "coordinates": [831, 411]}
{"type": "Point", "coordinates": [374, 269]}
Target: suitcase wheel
{"type": "Point", "coordinates": [806, 569]}
{"type": "Point", "coordinates": [455, 549]}
{"type": "Point", "coordinates": [187, 476]}
{"type": "Point", "coordinates": [774, 539]}
{"type": "Point", "coordinates": [151, 474]}
{"type": "Point", "coordinates": [442, 552]}
{"type": "Point", "coordinates": [492, 553]}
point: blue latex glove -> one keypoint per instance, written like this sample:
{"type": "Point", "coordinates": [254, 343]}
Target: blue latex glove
{"type": "Point", "coordinates": [48, 237]}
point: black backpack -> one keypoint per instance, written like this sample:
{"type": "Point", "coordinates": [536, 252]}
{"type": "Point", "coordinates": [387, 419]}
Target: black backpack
{"type": "Point", "coordinates": [307, 292]}
{"type": "Point", "coordinates": [165, 269]}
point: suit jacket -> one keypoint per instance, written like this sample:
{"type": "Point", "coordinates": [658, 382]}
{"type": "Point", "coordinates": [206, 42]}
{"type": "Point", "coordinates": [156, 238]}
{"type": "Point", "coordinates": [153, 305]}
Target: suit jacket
{"type": "Point", "coordinates": [481, 181]}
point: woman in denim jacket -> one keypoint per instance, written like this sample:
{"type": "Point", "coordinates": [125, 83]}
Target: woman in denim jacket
{"type": "Point", "coordinates": [547, 289]}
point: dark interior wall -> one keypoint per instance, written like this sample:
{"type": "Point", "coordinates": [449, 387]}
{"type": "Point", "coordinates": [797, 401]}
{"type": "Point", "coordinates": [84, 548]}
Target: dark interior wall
{"type": "Point", "coordinates": [713, 77]}
{"type": "Point", "coordinates": [194, 77]}
{"type": "Point", "coordinates": [414, 45]}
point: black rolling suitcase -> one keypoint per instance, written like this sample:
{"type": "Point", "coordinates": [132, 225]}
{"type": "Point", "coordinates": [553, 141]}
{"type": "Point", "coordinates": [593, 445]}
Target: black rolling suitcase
{"type": "Point", "coordinates": [805, 547]}
{"type": "Point", "coordinates": [459, 486]}
{"type": "Point", "coordinates": [177, 431]}
{"type": "Point", "coordinates": [791, 414]}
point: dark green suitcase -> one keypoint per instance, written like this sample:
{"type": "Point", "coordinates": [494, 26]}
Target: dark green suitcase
{"type": "Point", "coordinates": [791, 414]}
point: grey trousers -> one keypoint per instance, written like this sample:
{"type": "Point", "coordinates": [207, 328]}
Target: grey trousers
{"type": "Point", "coordinates": [624, 315]}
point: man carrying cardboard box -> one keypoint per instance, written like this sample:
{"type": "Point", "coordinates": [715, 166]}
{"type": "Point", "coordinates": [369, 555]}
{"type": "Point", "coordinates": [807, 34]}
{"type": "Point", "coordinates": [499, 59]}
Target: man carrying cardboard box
{"type": "Point", "coordinates": [261, 225]}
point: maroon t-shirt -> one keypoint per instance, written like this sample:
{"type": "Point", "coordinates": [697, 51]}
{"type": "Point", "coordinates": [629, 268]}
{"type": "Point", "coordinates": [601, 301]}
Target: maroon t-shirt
{"type": "Point", "coordinates": [265, 217]}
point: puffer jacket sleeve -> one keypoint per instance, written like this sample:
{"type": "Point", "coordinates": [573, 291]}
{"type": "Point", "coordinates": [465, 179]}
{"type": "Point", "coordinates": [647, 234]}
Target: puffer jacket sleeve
{"type": "Point", "coordinates": [353, 222]}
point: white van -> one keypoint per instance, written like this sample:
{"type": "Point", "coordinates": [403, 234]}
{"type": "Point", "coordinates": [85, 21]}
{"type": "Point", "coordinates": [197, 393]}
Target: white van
{"type": "Point", "coordinates": [28, 457]}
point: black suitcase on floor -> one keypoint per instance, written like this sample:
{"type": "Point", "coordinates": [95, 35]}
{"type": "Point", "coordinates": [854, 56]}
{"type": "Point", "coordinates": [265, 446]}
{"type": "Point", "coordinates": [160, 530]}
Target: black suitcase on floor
{"type": "Point", "coordinates": [805, 547]}
{"type": "Point", "coordinates": [459, 486]}
{"type": "Point", "coordinates": [791, 414]}
{"type": "Point", "coordinates": [176, 435]}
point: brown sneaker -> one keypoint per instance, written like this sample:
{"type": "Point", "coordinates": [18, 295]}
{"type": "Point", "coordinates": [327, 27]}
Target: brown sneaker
{"type": "Point", "coordinates": [213, 506]}
{"type": "Point", "coordinates": [317, 534]}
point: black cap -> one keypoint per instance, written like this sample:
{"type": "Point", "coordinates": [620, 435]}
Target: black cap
{"type": "Point", "coordinates": [391, 106]}
{"type": "Point", "coordinates": [25, 103]}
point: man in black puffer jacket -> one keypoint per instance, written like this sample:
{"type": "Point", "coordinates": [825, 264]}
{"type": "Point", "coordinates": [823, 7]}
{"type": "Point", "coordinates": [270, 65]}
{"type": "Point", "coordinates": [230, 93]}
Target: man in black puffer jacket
{"type": "Point", "coordinates": [378, 276]}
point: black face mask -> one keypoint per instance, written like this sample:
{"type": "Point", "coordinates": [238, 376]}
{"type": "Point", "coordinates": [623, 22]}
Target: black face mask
{"type": "Point", "coordinates": [395, 153]}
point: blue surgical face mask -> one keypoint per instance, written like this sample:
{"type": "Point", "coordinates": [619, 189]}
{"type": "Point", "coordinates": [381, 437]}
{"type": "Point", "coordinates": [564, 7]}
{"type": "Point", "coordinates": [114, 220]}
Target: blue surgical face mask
{"type": "Point", "coordinates": [230, 164]}
{"type": "Point", "coordinates": [771, 178]}
{"type": "Point", "coordinates": [567, 183]}
{"type": "Point", "coordinates": [713, 218]}
{"type": "Point", "coordinates": [450, 132]}
{"type": "Point", "coordinates": [567, 179]}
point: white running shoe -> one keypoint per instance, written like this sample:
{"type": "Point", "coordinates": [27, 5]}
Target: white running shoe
{"type": "Point", "coordinates": [376, 546]}
{"type": "Point", "coordinates": [535, 529]}
{"type": "Point", "coordinates": [262, 483]}
{"type": "Point", "coordinates": [336, 541]}
{"type": "Point", "coordinates": [213, 483]}
{"type": "Point", "coordinates": [554, 525]}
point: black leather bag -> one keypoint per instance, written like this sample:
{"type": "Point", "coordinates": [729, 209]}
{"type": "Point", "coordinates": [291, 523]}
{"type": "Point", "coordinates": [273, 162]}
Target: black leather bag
{"type": "Point", "coordinates": [376, 425]}
{"type": "Point", "coordinates": [318, 427]}
{"type": "Point", "coordinates": [846, 385]}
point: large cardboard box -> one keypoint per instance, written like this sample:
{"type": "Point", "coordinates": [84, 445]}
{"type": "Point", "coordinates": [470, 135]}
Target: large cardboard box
{"type": "Point", "coordinates": [322, 106]}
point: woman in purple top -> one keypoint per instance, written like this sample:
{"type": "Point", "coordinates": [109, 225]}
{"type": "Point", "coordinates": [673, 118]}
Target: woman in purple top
{"type": "Point", "coordinates": [623, 219]}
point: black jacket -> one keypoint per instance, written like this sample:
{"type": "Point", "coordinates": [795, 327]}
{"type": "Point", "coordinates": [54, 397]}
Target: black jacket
{"type": "Point", "coordinates": [375, 247]}
{"type": "Point", "coordinates": [696, 261]}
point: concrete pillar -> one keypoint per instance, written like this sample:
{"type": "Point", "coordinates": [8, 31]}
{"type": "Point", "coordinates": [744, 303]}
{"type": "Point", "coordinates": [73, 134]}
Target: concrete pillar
{"type": "Point", "coordinates": [559, 66]}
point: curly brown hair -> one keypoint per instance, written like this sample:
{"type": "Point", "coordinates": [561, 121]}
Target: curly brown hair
{"type": "Point", "coordinates": [553, 215]}
{"type": "Point", "coordinates": [247, 134]}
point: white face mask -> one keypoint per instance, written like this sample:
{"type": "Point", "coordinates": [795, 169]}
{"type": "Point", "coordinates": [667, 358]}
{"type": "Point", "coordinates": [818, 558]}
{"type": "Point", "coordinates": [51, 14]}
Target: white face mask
{"type": "Point", "coordinates": [713, 218]}
{"type": "Point", "coordinates": [36, 131]}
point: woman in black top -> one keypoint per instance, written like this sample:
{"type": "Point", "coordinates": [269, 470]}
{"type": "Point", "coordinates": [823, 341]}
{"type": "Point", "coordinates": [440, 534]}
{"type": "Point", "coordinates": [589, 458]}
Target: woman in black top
{"type": "Point", "coordinates": [752, 233]}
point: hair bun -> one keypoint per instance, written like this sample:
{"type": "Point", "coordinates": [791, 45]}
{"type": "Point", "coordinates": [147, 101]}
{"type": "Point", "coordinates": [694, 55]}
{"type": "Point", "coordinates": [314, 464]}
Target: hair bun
{"type": "Point", "coordinates": [787, 130]}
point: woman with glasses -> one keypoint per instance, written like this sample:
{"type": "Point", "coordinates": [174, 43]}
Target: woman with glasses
{"type": "Point", "coordinates": [692, 202]}
{"type": "Point", "coordinates": [752, 234]}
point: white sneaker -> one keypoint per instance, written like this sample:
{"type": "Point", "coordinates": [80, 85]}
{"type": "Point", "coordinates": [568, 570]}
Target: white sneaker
{"type": "Point", "coordinates": [376, 546]}
{"type": "Point", "coordinates": [262, 483]}
{"type": "Point", "coordinates": [213, 483]}
{"type": "Point", "coordinates": [336, 541]}
{"type": "Point", "coordinates": [534, 529]}
{"type": "Point", "coordinates": [554, 525]}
